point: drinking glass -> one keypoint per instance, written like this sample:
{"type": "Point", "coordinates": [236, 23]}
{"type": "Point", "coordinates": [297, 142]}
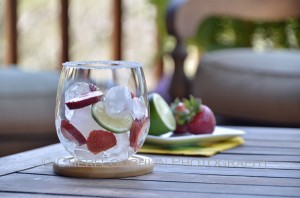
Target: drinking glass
{"type": "Point", "coordinates": [102, 111]}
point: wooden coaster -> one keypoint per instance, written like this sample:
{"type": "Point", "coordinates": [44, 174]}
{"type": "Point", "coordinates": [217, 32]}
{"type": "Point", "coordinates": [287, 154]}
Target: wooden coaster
{"type": "Point", "coordinates": [134, 166]}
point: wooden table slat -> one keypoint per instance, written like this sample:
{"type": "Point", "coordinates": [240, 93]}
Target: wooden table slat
{"type": "Point", "coordinates": [30, 159]}
{"type": "Point", "coordinates": [196, 177]}
{"type": "Point", "coordinates": [127, 194]}
{"type": "Point", "coordinates": [270, 144]}
{"type": "Point", "coordinates": [32, 195]}
{"type": "Point", "coordinates": [28, 183]}
{"type": "Point", "coordinates": [268, 164]}
{"type": "Point", "coordinates": [232, 157]}
{"type": "Point", "coordinates": [264, 151]}
{"type": "Point", "coordinates": [226, 171]}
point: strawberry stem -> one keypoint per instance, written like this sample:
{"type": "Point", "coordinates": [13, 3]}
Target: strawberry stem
{"type": "Point", "coordinates": [185, 114]}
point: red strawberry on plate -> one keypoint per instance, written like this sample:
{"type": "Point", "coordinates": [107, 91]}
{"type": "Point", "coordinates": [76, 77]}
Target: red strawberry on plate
{"type": "Point", "coordinates": [183, 111]}
{"type": "Point", "coordinates": [203, 122]}
{"type": "Point", "coordinates": [180, 129]}
{"type": "Point", "coordinates": [100, 140]}
{"type": "Point", "coordinates": [192, 116]}
{"type": "Point", "coordinates": [136, 130]}
{"type": "Point", "coordinates": [84, 100]}
{"type": "Point", "coordinates": [71, 133]}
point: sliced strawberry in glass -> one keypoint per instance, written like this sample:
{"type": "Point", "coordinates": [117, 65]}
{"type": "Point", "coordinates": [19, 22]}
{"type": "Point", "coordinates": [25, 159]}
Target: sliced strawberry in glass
{"type": "Point", "coordinates": [84, 100]}
{"type": "Point", "coordinates": [71, 133]}
{"type": "Point", "coordinates": [136, 130]}
{"type": "Point", "coordinates": [100, 140]}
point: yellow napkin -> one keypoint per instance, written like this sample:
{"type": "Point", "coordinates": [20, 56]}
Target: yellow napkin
{"type": "Point", "coordinates": [207, 150]}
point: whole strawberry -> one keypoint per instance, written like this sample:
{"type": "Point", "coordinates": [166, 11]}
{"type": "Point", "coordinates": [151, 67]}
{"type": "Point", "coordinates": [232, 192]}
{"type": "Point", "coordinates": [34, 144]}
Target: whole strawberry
{"type": "Point", "coordinates": [203, 122]}
{"type": "Point", "coordinates": [193, 117]}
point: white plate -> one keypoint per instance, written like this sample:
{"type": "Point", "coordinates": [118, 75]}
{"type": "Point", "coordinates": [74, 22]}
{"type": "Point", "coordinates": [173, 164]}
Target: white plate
{"type": "Point", "coordinates": [169, 139]}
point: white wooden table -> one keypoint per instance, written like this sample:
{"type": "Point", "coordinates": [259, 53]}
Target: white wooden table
{"type": "Point", "coordinates": [268, 164]}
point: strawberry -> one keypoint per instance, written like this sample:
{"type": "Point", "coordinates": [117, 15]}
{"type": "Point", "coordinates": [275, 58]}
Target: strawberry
{"type": "Point", "coordinates": [184, 111]}
{"type": "Point", "coordinates": [136, 130]}
{"type": "Point", "coordinates": [100, 140]}
{"type": "Point", "coordinates": [203, 122]}
{"type": "Point", "coordinates": [71, 133]}
{"type": "Point", "coordinates": [180, 129]}
{"type": "Point", "coordinates": [84, 100]}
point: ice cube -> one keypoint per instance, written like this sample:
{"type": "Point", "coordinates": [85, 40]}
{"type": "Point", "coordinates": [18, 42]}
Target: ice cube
{"type": "Point", "coordinates": [68, 113]}
{"type": "Point", "coordinates": [120, 151]}
{"type": "Point", "coordinates": [76, 90]}
{"type": "Point", "coordinates": [139, 109]}
{"type": "Point", "coordinates": [118, 101]}
{"type": "Point", "coordinates": [82, 119]}
{"type": "Point", "coordinates": [82, 153]}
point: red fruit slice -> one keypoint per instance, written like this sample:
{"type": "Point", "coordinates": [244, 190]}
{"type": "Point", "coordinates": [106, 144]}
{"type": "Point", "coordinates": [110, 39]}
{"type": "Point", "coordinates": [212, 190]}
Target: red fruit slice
{"type": "Point", "coordinates": [136, 131]}
{"type": "Point", "coordinates": [84, 100]}
{"type": "Point", "coordinates": [71, 133]}
{"type": "Point", "coordinates": [100, 140]}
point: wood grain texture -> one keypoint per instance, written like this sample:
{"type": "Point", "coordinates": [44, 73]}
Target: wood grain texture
{"type": "Point", "coordinates": [64, 31]}
{"type": "Point", "coordinates": [252, 170]}
{"type": "Point", "coordinates": [232, 157]}
{"type": "Point", "coordinates": [63, 185]}
{"type": "Point", "coordinates": [31, 195]}
{"type": "Point", "coordinates": [264, 151]}
{"type": "Point", "coordinates": [117, 30]}
{"type": "Point", "coordinates": [11, 32]}
{"type": "Point", "coordinates": [29, 159]}
{"type": "Point", "coordinates": [194, 177]}
{"type": "Point", "coordinates": [163, 194]}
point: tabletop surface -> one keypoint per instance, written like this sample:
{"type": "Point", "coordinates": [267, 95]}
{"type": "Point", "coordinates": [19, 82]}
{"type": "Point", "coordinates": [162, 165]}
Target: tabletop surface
{"type": "Point", "coordinates": [268, 164]}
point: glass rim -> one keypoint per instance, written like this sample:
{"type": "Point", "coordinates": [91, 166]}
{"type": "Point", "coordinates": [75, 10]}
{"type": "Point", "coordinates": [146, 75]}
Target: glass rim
{"type": "Point", "coordinates": [107, 64]}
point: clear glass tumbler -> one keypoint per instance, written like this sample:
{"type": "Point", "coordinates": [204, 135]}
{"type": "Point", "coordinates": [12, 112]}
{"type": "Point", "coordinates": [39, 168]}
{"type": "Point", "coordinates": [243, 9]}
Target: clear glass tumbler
{"type": "Point", "coordinates": [102, 110]}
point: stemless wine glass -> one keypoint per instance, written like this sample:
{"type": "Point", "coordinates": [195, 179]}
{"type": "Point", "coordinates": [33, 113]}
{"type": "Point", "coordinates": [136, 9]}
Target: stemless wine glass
{"type": "Point", "coordinates": [102, 110]}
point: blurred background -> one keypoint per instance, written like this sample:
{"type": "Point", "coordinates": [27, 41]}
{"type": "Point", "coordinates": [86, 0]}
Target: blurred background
{"type": "Point", "coordinates": [122, 29]}
{"type": "Point", "coordinates": [93, 31]}
{"type": "Point", "coordinates": [37, 36]}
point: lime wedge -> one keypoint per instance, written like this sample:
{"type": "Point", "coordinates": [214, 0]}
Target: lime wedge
{"type": "Point", "coordinates": [113, 124]}
{"type": "Point", "coordinates": [161, 116]}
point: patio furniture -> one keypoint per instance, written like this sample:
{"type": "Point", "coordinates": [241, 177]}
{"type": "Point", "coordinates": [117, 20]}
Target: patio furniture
{"type": "Point", "coordinates": [243, 84]}
{"type": "Point", "coordinates": [27, 105]}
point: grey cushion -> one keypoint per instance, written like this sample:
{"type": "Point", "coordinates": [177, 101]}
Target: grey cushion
{"type": "Point", "coordinates": [241, 83]}
{"type": "Point", "coordinates": [27, 101]}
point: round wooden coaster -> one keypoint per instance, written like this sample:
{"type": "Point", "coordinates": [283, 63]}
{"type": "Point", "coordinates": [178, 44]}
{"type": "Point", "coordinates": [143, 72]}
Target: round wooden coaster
{"type": "Point", "coordinates": [134, 166]}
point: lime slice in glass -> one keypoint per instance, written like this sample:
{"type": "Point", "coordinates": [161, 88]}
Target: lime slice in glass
{"type": "Point", "coordinates": [114, 124]}
{"type": "Point", "coordinates": [161, 116]}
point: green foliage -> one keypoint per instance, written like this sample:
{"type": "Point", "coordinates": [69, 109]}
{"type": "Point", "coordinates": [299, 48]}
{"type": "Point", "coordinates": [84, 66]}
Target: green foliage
{"type": "Point", "coordinates": [294, 26]}
{"type": "Point", "coordinates": [223, 32]}
{"type": "Point", "coordinates": [216, 33]}
{"type": "Point", "coordinates": [161, 7]}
